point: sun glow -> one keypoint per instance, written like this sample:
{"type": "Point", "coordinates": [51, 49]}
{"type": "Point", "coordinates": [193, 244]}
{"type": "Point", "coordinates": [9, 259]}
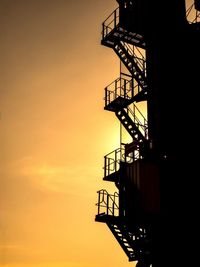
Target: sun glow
{"type": "Point", "coordinates": [54, 134]}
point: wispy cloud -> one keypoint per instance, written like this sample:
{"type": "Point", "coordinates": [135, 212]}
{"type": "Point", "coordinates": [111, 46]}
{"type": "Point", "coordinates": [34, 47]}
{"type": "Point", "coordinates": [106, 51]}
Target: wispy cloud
{"type": "Point", "coordinates": [76, 180]}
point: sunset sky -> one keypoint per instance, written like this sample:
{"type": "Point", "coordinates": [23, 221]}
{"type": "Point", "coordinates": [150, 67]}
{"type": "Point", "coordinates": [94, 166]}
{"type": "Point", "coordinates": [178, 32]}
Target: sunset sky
{"type": "Point", "coordinates": [54, 133]}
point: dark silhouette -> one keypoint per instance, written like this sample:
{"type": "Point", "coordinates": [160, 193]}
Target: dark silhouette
{"type": "Point", "coordinates": [154, 215]}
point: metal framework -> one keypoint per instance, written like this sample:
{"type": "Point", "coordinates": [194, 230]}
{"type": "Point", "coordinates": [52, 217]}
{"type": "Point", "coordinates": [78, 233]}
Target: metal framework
{"type": "Point", "coordinates": [193, 13]}
{"type": "Point", "coordinates": [120, 96]}
{"type": "Point", "coordinates": [137, 168]}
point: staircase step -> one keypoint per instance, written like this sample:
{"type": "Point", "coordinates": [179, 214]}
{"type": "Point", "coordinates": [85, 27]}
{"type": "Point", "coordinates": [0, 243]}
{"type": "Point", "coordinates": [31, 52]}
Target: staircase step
{"type": "Point", "coordinates": [118, 33]}
{"type": "Point", "coordinates": [123, 241]}
{"type": "Point", "coordinates": [129, 125]}
{"type": "Point", "coordinates": [129, 62]}
{"type": "Point", "coordinates": [132, 246]}
{"type": "Point", "coordinates": [112, 40]}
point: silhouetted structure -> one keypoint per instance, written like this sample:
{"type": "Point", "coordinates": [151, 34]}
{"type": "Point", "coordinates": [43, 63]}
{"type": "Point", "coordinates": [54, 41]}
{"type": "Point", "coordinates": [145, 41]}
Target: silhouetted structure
{"type": "Point", "coordinates": [154, 214]}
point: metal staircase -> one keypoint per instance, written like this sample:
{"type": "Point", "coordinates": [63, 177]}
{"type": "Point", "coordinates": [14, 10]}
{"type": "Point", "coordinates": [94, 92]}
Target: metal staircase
{"type": "Point", "coordinates": [123, 239]}
{"type": "Point", "coordinates": [132, 126]}
{"type": "Point", "coordinates": [132, 243]}
{"type": "Point", "coordinates": [113, 162]}
{"type": "Point", "coordinates": [138, 130]}
{"type": "Point", "coordinates": [112, 165]}
{"type": "Point", "coordinates": [193, 16]}
{"type": "Point", "coordinates": [193, 13]}
{"type": "Point", "coordinates": [127, 46]}
{"type": "Point", "coordinates": [136, 65]}
{"type": "Point", "coordinates": [119, 98]}
{"type": "Point", "coordinates": [113, 31]}
{"type": "Point", "coordinates": [122, 92]}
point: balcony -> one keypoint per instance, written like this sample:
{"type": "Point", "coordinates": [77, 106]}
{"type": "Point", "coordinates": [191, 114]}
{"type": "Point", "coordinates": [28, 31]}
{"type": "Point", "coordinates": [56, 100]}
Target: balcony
{"type": "Point", "coordinates": [112, 164]}
{"type": "Point", "coordinates": [108, 204]}
{"type": "Point", "coordinates": [119, 94]}
{"type": "Point", "coordinates": [112, 31]}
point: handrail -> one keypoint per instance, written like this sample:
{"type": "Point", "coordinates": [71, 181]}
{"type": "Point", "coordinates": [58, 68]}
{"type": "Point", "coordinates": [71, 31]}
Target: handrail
{"type": "Point", "coordinates": [112, 162]}
{"type": "Point", "coordinates": [110, 22]}
{"type": "Point", "coordinates": [116, 11]}
{"type": "Point", "coordinates": [137, 109]}
{"type": "Point", "coordinates": [120, 87]}
{"type": "Point", "coordinates": [114, 151]}
{"type": "Point", "coordinates": [188, 11]}
{"type": "Point", "coordinates": [108, 204]}
{"type": "Point", "coordinates": [140, 61]}
{"type": "Point", "coordinates": [195, 13]}
{"type": "Point", "coordinates": [141, 125]}
{"type": "Point", "coordinates": [138, 50]}
{"type": "Point", "coordinates": [113, 159]}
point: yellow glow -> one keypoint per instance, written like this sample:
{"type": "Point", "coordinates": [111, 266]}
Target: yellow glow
{"type": "Point", "coordinates": [54, 134]}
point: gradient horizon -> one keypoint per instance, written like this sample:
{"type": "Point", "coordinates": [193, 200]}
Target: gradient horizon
{"type": "Point", "coordinates": [54, 134]}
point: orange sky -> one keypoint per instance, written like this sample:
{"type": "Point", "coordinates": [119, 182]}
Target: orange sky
{"type": "Point", "coordinates": [54, 133]}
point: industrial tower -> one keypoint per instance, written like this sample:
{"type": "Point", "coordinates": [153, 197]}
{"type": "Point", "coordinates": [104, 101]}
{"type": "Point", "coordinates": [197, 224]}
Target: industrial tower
{"type": "Point", "coordinates": [154, 213]}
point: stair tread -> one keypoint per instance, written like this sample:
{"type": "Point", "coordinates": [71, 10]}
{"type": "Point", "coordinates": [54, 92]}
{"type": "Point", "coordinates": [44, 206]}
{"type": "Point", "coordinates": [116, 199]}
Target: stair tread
{"type": "Point", "coordinates": [119, 32]}
{"type": "Point", "coordinates": [128, 61]}
{"type": "Point", "coordinates": [129, 125]}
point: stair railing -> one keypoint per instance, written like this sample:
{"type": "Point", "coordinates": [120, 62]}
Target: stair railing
{"type": "Point", "coordinates": [193, 13]}
{"type": "Point", "coordinates": [123, 88]}
{"type": "Point", "coordinates": [108, 204]}
{"type": "Point", "coordinates": [142, 125]}
{"type": "Point", "coordinates": [110, 23]}
{"type": "Point", "coordinates": [138, 59]}
{"type": "Point", "coordinates": [112, 161]}
{"type": "Point", "coordinates": [119, 88]}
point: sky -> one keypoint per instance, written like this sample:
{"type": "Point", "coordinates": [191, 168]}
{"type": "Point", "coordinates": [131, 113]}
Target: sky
{"type": "Point", "coordinates": [54, 133]}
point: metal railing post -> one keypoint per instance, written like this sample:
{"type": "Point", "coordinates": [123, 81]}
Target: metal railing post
{"type": "Point", "coordinates": [106, 96]}
{"type": "Point", "coordinates": [105, 167]}
{"type": "Point", "coordinates": [107, 206]}
{"type": "Point", "coordinates": [115, 94]}
{"type": "Point", "coordinates": [103, 31]}
{"type": "Point", "coordinates": [98, 202]}
{"type": "Point", "coordinates": [113, 207]}
{"type": "Point", "coordinates": [125, 83]}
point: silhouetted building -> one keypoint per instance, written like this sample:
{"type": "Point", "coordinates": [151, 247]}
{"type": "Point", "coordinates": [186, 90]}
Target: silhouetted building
{"type": "Point", "coordinates": [154, 213]}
